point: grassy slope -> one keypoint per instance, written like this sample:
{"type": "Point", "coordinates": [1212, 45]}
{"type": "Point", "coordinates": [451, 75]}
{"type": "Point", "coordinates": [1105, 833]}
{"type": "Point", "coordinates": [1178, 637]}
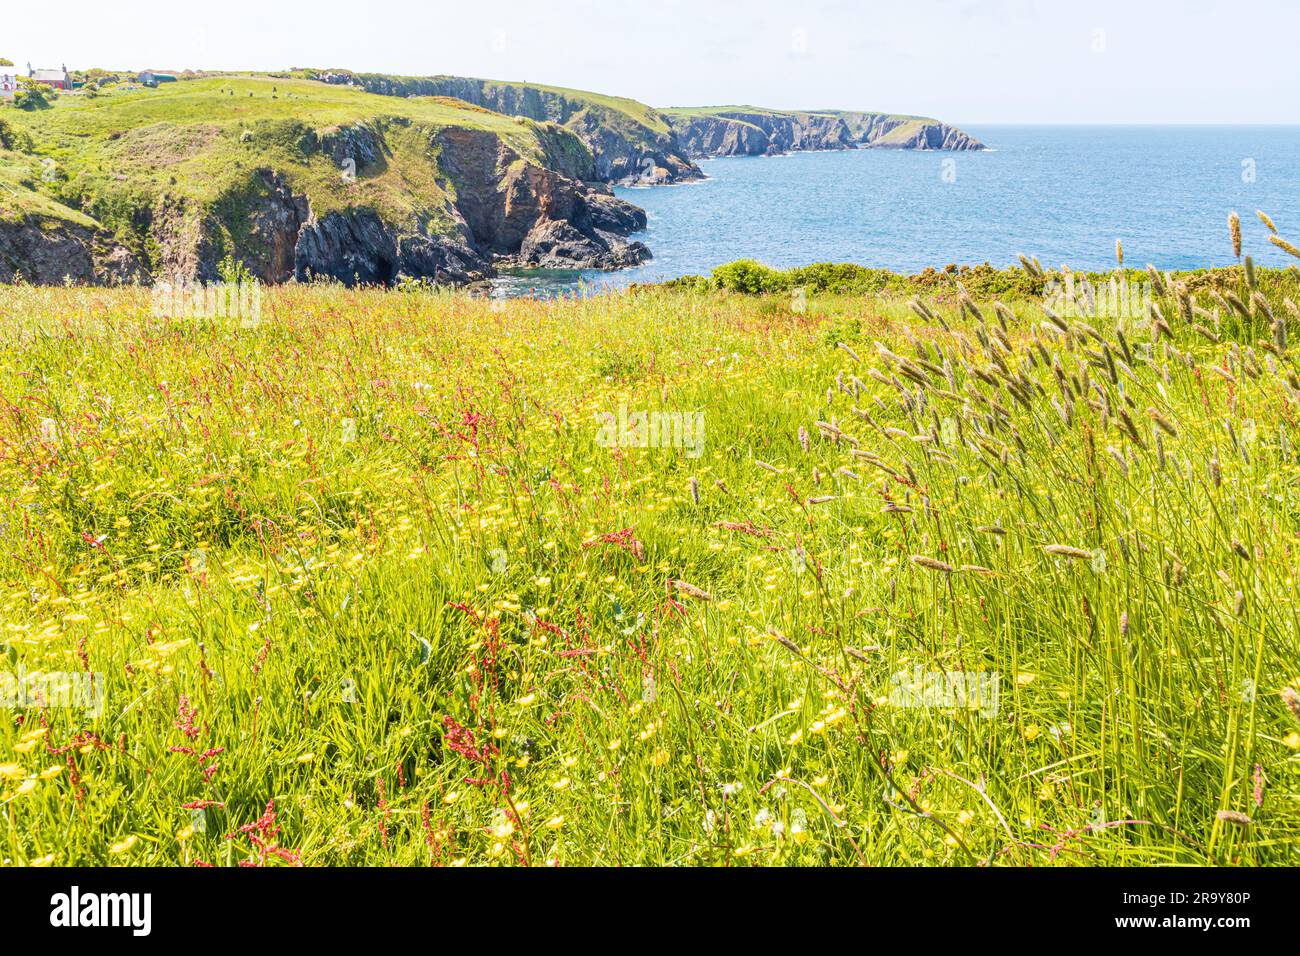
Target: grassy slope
{"type": "Point", "coordinates": [123, 149]}
{"type": "Point", "coordinates": [305, 507]}
{"type": "Point", "coordinates": [20, 174]}
{"type": "Point", "coordinates": [20, 202]}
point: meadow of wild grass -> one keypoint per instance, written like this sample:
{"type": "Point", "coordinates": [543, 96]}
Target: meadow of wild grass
{"type": "Point", "coordinates": [365, 583]}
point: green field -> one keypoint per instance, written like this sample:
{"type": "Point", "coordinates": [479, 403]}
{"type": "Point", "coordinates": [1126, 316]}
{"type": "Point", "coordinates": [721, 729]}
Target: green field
{"type": "Point", "coordinates": [370, 580]}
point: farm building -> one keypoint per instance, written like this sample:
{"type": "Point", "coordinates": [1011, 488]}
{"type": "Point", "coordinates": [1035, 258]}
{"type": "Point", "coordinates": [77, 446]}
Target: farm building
{"type": "Point", "coordinates": [60, 79]}
{"type": "Point", "coordinates": [150, 78]}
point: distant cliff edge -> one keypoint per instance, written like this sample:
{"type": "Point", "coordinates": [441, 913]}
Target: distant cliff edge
{"type": "Point", "coordinates": [753, 131]}
{"type": "Point", "coordinates": [630, 143]}
{"type": "Point", "coordinates": [635, 144]}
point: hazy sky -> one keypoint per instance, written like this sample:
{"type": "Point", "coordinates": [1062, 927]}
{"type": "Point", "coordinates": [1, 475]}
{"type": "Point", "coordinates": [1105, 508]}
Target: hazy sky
{"type": "Point", "coordinates": [965, 61]}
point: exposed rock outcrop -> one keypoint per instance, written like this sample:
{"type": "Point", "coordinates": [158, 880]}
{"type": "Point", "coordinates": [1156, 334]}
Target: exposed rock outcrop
{"type": "Point", "coordinates": [357, 246]}
{"type": "Point", "coordinates": [49, 252]}
{"type": "Point", "coordinates": [525, 214]}
{"type": "Point", "coordinates": [184, 236]}
{"type": "Point", "coordinates": [359, 146]}
{"type": "Point", "coordinates": [622, 160]}
{"type": "Point", "coordinates": [275, 229]}
{"type": "Point", "coordinates": [892, 132]}
{"type": "Point", "coordinates": [505, 211]}
{"type": "Point", "coordinates": [503, 208]}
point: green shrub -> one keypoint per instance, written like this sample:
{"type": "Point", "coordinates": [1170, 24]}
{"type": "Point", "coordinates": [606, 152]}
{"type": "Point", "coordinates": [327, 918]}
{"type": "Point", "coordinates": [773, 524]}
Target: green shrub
{"type": "Point", "coordinates": [842, 277]}
{"type": "Point", "coordinates": [690, 283]}
{"type": "Point", "coordinates": [750, 277]}
{"type": "Point", "coordinates": [12, 138]}
{"type": "Point", "coordinates": [234, 271]}
{"type": "Point", "coordinates": [33, 98]}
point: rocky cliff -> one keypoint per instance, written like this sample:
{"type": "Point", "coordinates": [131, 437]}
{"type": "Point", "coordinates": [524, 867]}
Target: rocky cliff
{"type": "Point", "coordinates": [44, 250]}
{"type": "Point", "coordinates": [506, 211]}
{"type": "Point", "coordinates": [527, 214]}
{"type": "Point", "coordinates": [634, 144]}
{"type": "Point", "coordinates": [631, 143]}
{"type": "Point", "coordinates": [435, 189]}
{"type": "Point", "coordinates": [367, 178]}
{"type": "Point", "coordinates": [749, 131]}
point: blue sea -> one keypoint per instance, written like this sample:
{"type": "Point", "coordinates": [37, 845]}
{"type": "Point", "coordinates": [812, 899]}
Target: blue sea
{"type": "Point", "coordinates": [1061, 193]}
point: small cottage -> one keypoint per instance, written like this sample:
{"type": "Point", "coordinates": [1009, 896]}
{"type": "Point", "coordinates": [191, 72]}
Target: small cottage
{"type": "Point", "coordinates": [60, 79]}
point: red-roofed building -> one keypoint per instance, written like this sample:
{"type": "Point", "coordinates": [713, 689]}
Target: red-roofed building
{"type": "Point", "coordinates": [60, 79]}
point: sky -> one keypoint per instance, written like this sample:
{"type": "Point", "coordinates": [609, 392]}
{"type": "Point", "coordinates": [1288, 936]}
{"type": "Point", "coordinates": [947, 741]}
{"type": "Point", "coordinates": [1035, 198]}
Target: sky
{"type": "Point", "coordinates": [963, 61]}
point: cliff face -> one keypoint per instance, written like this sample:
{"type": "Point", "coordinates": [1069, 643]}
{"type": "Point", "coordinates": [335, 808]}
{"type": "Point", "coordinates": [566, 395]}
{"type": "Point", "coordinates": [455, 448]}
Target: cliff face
{"type": "Point", "coordinates": [503, 209]}
{"type": "Point", "coordinates": [630, 143]}
{"type": "Point", "coordinates": [48, 251]}
{"type": "Point", "coordinates": [356, 245]}
{"type": "Point", "coordinates": [633, 144]}
{"type": "Point", "coordinates": [751, 132]}
{"type": "Point", "coordinates": [371, 201]}
{"type": "Point", "coordinates": [527, 214]}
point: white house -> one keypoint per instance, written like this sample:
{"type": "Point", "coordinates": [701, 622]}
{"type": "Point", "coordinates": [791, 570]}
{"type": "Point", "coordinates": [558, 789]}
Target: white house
{"type": "Point", "coordinates": [8, 85]}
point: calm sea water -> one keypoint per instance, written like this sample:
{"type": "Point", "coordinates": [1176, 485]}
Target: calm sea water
{"type": "Point", "coordinates": [1064, 194]}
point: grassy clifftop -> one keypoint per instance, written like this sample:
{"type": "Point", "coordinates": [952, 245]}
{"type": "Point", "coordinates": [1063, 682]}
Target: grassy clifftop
{"type": "Point", "coordinates": [629, 140]}
{"type": "Point", "coordinates": [202, 141]}
{"type": "Point", "coordinates": [622, 111]}
{"type": "Point", "coordinates": [236, 165]}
